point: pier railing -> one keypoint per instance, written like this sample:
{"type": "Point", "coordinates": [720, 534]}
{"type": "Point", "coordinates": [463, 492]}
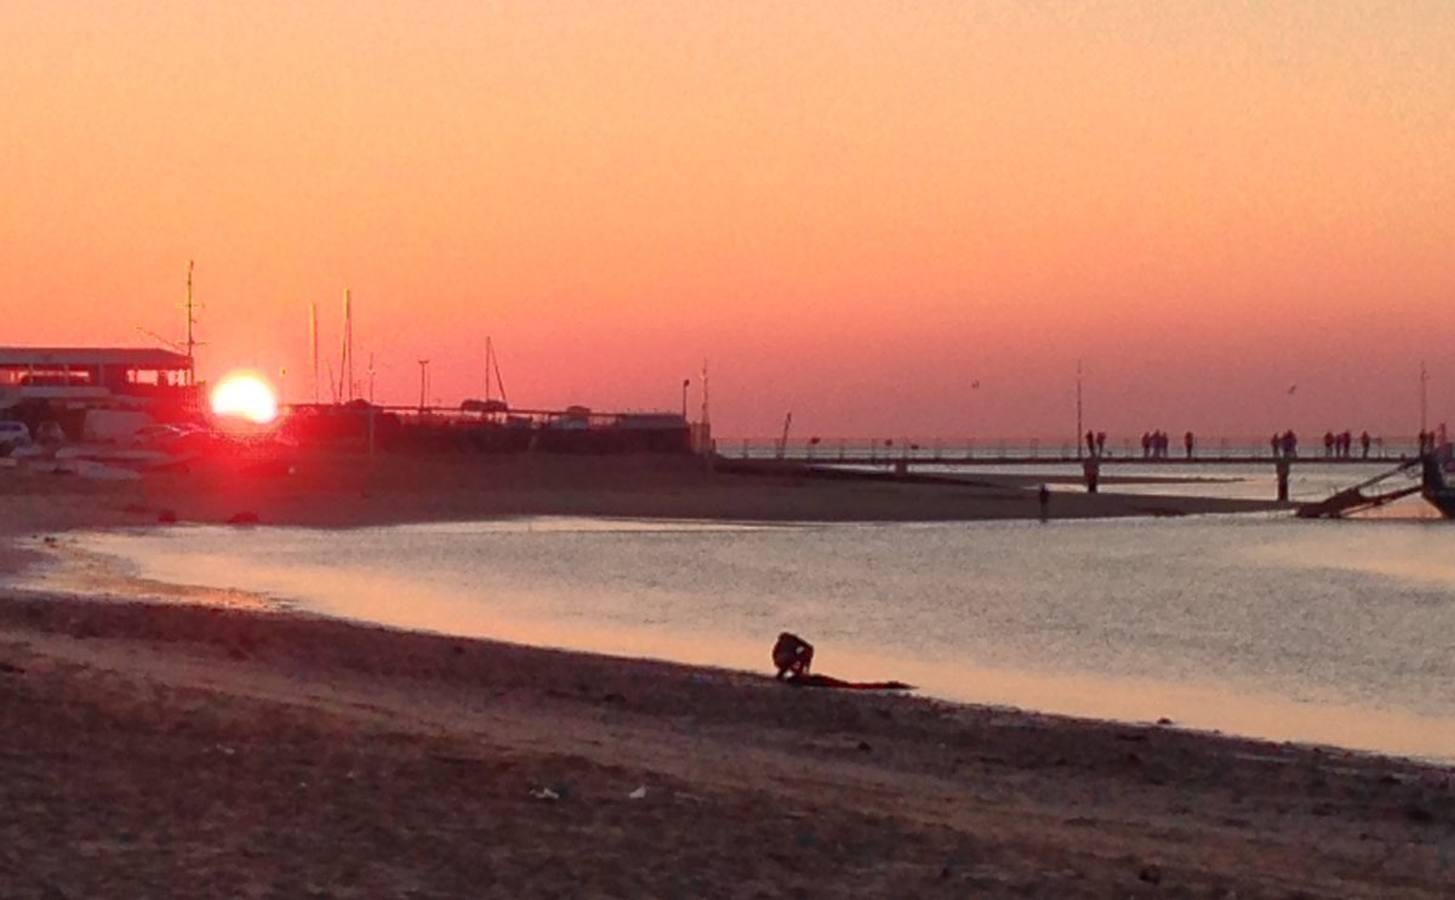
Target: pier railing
{"type": "Point", "coordinates": [1040, 451]}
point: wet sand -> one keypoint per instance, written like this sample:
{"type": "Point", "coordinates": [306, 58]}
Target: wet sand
{"type": "Point", "coordinates": [193, 751]}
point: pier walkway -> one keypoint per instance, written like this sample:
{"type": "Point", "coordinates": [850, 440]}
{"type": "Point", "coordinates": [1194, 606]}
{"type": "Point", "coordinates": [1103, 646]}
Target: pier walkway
{"type": "Point", "coordinates": [914, 454]}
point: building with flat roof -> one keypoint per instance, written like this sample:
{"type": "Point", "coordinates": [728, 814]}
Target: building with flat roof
{"type": "Point", "coordinates": [78, 378]}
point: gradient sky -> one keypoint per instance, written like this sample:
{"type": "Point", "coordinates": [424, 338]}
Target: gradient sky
{"type": "Point", "coordinates": [852, 210]}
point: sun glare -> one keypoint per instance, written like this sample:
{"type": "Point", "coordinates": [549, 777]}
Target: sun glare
{"type": "Point", "coordinates": [246, 396]}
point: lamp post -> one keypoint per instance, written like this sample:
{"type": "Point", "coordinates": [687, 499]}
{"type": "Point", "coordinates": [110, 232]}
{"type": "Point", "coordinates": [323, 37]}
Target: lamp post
{"type": "Point", "coordinates": [1424, 402]}
{"type": "Point", "coordinates": [1078, 409]}
{"type": "Point", "coordinates": [686, 382]}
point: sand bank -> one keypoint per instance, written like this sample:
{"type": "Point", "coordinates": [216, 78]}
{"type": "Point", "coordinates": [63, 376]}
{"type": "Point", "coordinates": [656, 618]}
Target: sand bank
{"type": "Point", "coordinates": [336, 491]}
{"type": "Point", "coordinates": [202, 752]}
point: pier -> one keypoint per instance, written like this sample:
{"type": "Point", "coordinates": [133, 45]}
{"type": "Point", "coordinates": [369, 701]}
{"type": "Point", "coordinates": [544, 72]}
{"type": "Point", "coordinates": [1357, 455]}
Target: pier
{"type": "Point", "coordinates": [894, 453]}
{"type": "Point", "coordinates": [900, 459]}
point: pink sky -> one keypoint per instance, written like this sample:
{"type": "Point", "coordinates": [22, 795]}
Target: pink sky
{"type": "Point", "coordinates": [852, 210]}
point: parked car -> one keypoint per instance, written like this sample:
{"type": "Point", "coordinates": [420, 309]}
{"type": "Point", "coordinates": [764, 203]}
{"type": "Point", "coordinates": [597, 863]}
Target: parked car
{"type": "Point", "coordinates": [155, 435]}
{"type": "Point", "coordinates": [12, 436]}
{"type": "Point", "coordinates": [50, 432]}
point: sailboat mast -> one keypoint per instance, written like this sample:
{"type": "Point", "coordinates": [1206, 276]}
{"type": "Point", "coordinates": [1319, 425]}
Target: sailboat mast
{"type": "Point", "coordinates": [492, 366]}
{"type": "Point", "coordinates": [705, 419]}
{"type": "Point", "coordinates": [313, 338]}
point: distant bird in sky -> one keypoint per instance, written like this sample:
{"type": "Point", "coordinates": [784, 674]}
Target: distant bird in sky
{"type": "Point", "coordinates": [975, 385]}
{"type": "Point", "coordinates": [1292, 389]}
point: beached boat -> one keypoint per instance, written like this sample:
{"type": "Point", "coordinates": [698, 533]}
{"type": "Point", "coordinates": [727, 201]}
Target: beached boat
{"type": "Point", "coordinates": [1438, 481]}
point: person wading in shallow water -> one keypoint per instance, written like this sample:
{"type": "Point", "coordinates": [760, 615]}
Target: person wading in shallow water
{"type": "Point", "coordinates": [792, 654]}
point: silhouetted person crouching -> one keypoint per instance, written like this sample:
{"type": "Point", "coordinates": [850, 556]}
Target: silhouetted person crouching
{"type": "Point", "coordinates": [792, 656]}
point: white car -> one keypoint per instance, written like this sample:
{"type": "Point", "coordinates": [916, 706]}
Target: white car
{"type": "Point", "coordinates": [13, 435]}
{"type": "Point", "coordinates": [149, 435]}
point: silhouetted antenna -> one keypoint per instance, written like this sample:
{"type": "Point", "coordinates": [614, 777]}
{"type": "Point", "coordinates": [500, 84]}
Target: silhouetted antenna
{"type": "Point", "coordinates": [191, 322]}
{"type": "Point", "coordinates": [423, 383]}
{"type": "Point", "coordinates": [189, 347]}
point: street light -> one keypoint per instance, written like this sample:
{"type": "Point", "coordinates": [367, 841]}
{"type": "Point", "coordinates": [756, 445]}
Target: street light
{"type": "Point", "coordinates": [685, 383]}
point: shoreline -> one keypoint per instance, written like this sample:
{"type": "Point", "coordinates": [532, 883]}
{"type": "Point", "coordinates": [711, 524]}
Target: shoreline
{"type": "Point", "coordinates": [411, 737]}
{"type": "Point", "coordinates": [382, 498]}
{"type": "Point", "coordinates": [68, 570]}
{"type": "Point", "coordinates": [214, 750]}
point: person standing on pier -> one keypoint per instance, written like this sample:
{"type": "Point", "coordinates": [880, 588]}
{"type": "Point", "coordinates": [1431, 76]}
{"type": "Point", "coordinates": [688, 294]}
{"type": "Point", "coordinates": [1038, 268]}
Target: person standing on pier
{"type": "Point", "coordinates": [1364, 443]}
{"type": "Point", "coordinates": [1188, 442]}
{"type": "Point", "coordinates": [1101, 443]}
{"type": "Point", "coordinates": [1328, 444]}
{"type": "Point", "coordinates": [1275, 443]}
{"type": "Point", "coordinates": [1091, 443]}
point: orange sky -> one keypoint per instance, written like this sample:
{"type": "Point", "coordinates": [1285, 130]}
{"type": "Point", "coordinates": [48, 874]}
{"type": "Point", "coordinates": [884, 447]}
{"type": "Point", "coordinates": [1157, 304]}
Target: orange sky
{"type": "Point", "coordinates": [853, 210]}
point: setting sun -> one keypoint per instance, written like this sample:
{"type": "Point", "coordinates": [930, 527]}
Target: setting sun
{"type": "Point", "coordinates": [247, 396]}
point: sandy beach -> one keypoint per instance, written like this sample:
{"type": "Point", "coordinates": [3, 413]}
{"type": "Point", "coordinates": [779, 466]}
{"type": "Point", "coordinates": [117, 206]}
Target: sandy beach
{"type": "Point", "coordinates": [184, 750]}
{"type": "Point", "coordinates": [199, 752]}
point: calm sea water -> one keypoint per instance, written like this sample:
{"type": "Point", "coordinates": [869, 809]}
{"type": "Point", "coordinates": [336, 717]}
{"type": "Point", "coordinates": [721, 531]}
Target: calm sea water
{"type": "Point", "coordinates": [1238, 481]}
{"type": "Point", "coordinates": [1331, 632]}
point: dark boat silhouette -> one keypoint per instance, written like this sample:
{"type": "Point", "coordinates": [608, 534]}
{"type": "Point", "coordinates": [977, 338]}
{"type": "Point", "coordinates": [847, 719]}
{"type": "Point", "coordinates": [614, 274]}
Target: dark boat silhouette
{"type": "Point", "coordinates": [1437, 481]}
